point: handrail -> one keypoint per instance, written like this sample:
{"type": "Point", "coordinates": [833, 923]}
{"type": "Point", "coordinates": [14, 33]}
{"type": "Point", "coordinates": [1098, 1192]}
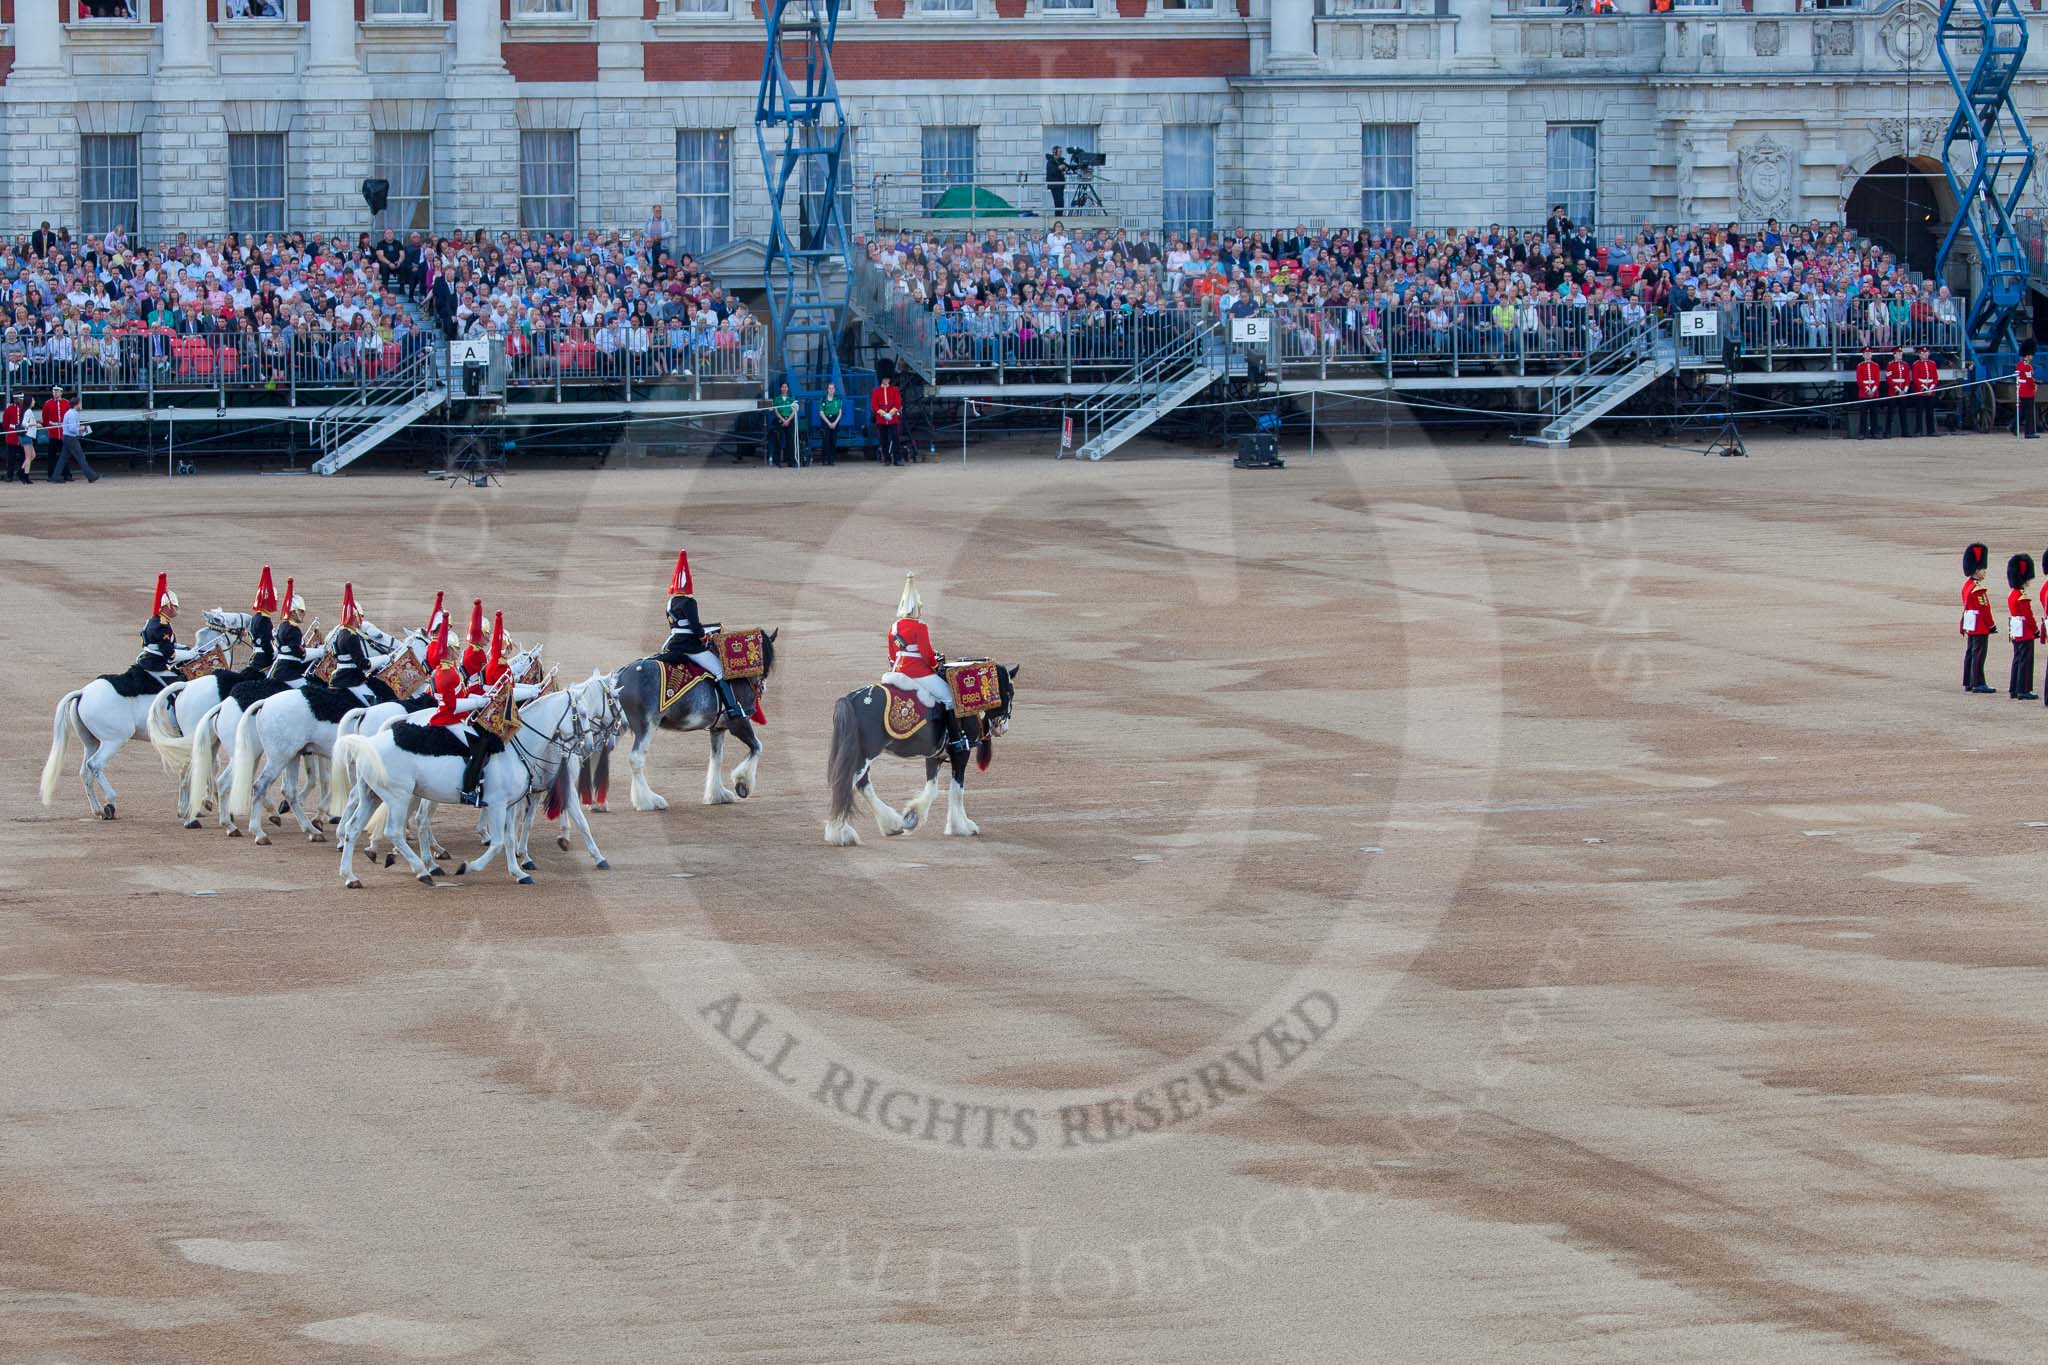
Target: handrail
{"type": "Point", "coordinates": [1145, 380]}
{"type": "Point", "coordinates": [1626, 351]}
{"type": "Point", "coordinates": [360, 411]}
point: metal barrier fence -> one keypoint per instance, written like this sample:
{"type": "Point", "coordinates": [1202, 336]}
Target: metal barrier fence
{"type": "Point", "coordinates": [141, 368]}
{"type": "Point", "coordinates": [1825, 335]}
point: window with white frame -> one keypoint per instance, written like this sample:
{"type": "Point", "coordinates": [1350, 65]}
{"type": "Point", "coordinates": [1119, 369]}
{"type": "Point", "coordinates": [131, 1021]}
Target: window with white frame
{"type": "Point", "coordinates": [547, 181]}
{"type": "Point", "coordinates": [1386, 176]}
{"type": "Point", "coordinates": [1067, 6]}
{"type": "Point", "coordinates": [703, 191]}
{"type": "Point", "coordinates": [1188, 177]}
{"type": "Point", "coordinates": [948, 160]}
{"type": "Point", "coordinates": [121, 11]}
{"type": "Point", "coordinates": [405, 160]}
{"type": "Point", "coordinates": [400, 9]}
{"type": "Point", "coordinates": [256, 182]}
{"type": "Point", "coordinates": [256, 9]}
{"type": "Point", "coordinates": [1571, 166]}
{"type": "Point", "coordinates": [1186, 6]}
{"type": "Point", "coordinates": [1067, 137]}
{"type": "Point", "coordinates": [109, 183]}
{"type": "Point", "coordinates": [945, 6]}
{"type": "Point", "coordinates": [695, 9]}
{"type": "Point", "coordinates": [815, 170]}
{"type": "Point", "coordinates": [546, 9]}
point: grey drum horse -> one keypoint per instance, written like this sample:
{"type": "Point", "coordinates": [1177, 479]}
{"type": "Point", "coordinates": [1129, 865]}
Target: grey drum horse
{"type": "Point", "coordinates": [859, 738]}
{"type": "Point", "coordinates": [639, 688]}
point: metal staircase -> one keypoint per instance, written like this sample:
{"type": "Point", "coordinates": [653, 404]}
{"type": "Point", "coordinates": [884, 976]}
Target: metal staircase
{"type": "Point", "coordinates": [372, 415]}
{"type": "Point", "coordinates": [1988, 159]}
{"type": "Point", "coordinates": [1157, 384]}
{"type": "Point", "coordinates": [801, 130]}
{"type": "Point", "coordinates": [1603, 381]}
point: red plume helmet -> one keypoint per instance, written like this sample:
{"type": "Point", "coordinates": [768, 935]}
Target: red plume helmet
{"type": "Point", "coordinates": [266, 595]}
{"type": "Point", "coordinates": [288, 597]}
{"type": "Point", "coordinates": [679, 581]}
{"type": "Point", "coordinates": [351, 614]}
{"type": "Point", "coordinates": [163, 594]}
{"type": "Point", "coordinates": [476, 621]}
{"type": "Point", "coordinates": [437, 649]}
{"type": "Point", "coordinates": [434, 616]}
{"type": "Point", "coordinates": [473, 651]}
{"type": "Point", "coordinates": [497, 638]}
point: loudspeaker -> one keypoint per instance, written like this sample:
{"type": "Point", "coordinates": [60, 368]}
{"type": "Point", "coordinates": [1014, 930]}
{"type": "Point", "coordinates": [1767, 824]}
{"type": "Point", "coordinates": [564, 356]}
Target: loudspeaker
{"type": "Point", "coordinates": [1259, 450]}
{"type": "Point", "coordinates": [376, 193]}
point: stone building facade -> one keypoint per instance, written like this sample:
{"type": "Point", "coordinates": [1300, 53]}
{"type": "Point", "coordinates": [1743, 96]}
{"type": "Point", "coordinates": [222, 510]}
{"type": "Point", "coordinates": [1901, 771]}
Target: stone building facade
{"type": "Point", "coordinates": [1442, 112]}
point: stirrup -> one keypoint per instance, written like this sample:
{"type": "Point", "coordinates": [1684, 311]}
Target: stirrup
{"type": "Point", "coordinates": [473, 797]}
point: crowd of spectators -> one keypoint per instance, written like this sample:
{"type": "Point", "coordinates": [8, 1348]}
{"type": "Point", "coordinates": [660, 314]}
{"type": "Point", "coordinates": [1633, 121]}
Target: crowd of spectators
{"type": "Point", "coordinates": [1555, 291]}
{"type": "Point", "coordinates": [105, 309]}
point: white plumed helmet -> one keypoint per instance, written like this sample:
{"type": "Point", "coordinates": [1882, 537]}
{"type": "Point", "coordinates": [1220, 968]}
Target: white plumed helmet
{"type": "Point", "coordinates": [910, 604]}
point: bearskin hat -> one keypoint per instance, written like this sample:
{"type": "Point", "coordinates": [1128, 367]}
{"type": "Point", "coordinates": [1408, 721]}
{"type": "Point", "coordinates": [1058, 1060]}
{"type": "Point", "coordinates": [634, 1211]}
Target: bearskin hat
{"type": "Point", "coordinates": [2019, 571]}
{"type": "Point", "coordinates": [1975, 557]}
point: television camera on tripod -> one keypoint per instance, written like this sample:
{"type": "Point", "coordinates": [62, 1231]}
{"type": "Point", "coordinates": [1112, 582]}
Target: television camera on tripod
{"type": "Point", "coordinates": [1081, 191]}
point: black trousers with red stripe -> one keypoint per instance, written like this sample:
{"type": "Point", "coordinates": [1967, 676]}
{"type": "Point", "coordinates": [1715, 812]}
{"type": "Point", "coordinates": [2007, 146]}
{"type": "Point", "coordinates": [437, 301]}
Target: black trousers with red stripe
{"type": "Point", "coordinates": [2022, 681]}
{"type": "Point", "coordinates": [1975, 647]}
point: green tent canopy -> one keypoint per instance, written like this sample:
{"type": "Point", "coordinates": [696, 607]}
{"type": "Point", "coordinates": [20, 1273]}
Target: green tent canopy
{"type": "Point", "coordinates": [970, 201]}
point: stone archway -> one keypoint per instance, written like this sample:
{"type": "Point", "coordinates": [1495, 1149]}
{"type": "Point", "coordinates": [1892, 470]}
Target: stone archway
{"type": "Point", "coordinates": [1903, 204]}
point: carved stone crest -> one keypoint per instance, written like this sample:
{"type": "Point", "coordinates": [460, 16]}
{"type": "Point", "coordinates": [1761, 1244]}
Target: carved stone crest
{"type": "Point", "coordinates": [1571, 40]}
{"type": "Point", "coordinates": [1764, 37]}
{"type": "Point", "coordinates": [1908, 35]}
{"type": "Point", "coordinates": [1764, 178]}
{"type": "Point", "coordinates": [1385, 44]}
{"type": "Point", "coordinates": [1834, 38]}
{"type": "Point", "coordinates": [1909, 137]}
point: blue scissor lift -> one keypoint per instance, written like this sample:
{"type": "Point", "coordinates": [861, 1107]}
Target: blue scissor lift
{"type": "Point", "coordinates": [801, 130]}
{"type": "Point", "coordinates": [1988, 159]}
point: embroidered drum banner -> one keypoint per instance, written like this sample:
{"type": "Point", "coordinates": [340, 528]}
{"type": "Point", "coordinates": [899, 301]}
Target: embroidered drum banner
{"type": "Point", "coordinates": [404, 675]}
{"type": "Point", "coordinates": [743, 652]}
{"type": "Point", "coordinates": [977, 686]}
{"type": "Point", "coordinates": [213, 658]}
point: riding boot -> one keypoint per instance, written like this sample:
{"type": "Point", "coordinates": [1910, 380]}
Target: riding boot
{"type": "Point", "coordinates": [473, 773]}
{"type": "Point", "coordinates": [956, 737]}
{"type": "Point", "coordinates": [733, 712]}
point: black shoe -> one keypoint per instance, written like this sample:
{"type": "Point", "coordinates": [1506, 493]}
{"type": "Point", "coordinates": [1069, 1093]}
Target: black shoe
{"type": "Point", "coordinates": [1985, 691]}
{"type": "Point", "coordinates": [473, 797]}
{"type": "Point", "coordinates": [92, 478]}
{"type": "Point", "coordinates": [2026, 696]}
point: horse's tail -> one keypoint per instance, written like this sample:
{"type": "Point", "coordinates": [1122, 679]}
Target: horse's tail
{"type": "Point", "coordinates": [203, 739]}
{"type": "Point", "coordinates": [558, 793]}
{"type": "Point", "coordinates": [337, 770]}
{"type": "Point", "coordinates": [173, 750]}
{"type": "Point", "coordinates": [66, 721]}
{"type": "Point", "coordinates": [356, 758]}
{"type": "Point", "coordinates": [242, 781]}
{"type": "Point", "coordinates": [844, 759]}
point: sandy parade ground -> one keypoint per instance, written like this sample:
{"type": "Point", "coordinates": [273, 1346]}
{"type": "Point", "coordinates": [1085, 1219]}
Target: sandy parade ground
{"type": "Point", "coordinates": [1433, 903]}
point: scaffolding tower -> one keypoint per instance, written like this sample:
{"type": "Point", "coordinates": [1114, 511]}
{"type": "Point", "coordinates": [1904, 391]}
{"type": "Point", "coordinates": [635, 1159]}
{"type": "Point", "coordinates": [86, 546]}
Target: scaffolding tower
{"type": "Point", "coordinates": [1988, 159]}
{"type": "Point", "coordinates": [801, 130]}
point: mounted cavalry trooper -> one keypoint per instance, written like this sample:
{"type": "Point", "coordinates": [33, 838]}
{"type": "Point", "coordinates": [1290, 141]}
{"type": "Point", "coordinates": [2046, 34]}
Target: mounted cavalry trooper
{"type": "Point", "coordinates": [473, 651]}
{"type": "Point", "coordinates": [482, 743]}
{"type": "Point", "coordinates": [914, 664]}
{"type": "Point", "coordinates": [352, 656]}
{"type": "Point", "coordinates": [686, 640]}
{"type": "Point", "coordinates": [290, 641]}
{"type": "Point", "coordinates": [160, 655]}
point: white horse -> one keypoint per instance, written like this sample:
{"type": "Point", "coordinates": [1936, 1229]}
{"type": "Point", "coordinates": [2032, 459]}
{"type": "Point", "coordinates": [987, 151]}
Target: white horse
{"type": "Point", "coordinates": [283, 729]}
{"type": "Point", "coordinates": [106, 713]}
{"type": "Point", "coordinates": [405, 763]}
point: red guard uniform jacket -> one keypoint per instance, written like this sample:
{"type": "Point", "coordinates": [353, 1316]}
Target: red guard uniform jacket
{"type": "Point", "coordinates": [53, 415]}
{"type": "Point", "coordinates": [1868, 377]}
{"type": "Point", "coordinates": [910, 648]}
{"type": "Point", "coordinates": [2024, 626]}
{"type": "Point", "coordinates": [1898, 378]}
{"type": "Point", "coordinates": [447, 690]}
{"type": "Point", "coordinates": [1976, 609]}
{"type": "Point", "coordinates": [886, 398]}
{"type": "Point", "coordinates": [1926, 376]}
{"type": "Point", "coordinates": [2024, 377]}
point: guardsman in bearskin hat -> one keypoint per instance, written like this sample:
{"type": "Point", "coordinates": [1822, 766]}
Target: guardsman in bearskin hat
{"type": "Point", "coordinates": [1976, 622]}
{"type": "Point", "coordinates": [291, 638]}
{"type": "Point", "coordinates": [351, 654]}
{"type": "Point", "coordinates": [1898, 386]}
{"type": "Point", "coordinates": [2023, 389]}
{"type": "Point", "coordinates": [1869, 384]}
{"type": "Point", "coordinates": [473, 657]}
{"type": "Point", "coordinates": [265, 649]}
{"type": "Point", "coordinates": [160, 655]}
{"type": "Point", "coordinates": [2019, 571]}
{"type": "Point", "coordinates": [914, 665]}
{"type": "Point", "coordinates": [686, 636]}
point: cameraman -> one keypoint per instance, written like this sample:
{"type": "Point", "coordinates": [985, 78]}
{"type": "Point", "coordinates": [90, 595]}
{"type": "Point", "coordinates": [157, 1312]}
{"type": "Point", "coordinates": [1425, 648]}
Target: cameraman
{"type": "Point", "coordinates": [1056, 177]}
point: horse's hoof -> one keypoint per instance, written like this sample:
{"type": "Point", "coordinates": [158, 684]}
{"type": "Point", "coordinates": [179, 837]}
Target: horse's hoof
{"type": "Point", "coordinates": [233, 832]}
{"type": "Point", "coordinates": [526, 881]}
{"type": "Point", "coordinates": [262, 840]}
{"type": "Point", "coordinates": [317, 823]}
{"type": "Point", "coordinates": [107, 812]}
{"type": "Point", "coordinates": [440, 871]}
{"type": "Point", "coordinates": [277, 819]}
{"type": "Point", "coordinates": [426, 879]}
{"type": "Point", "coordinates": [527, 864]}
{"type": "Point", "coordinates": [390, 858]}
{"type": "Point", "coordinates": [909, 820]}
{"type": "Point", "coordinates": [604, 864]}
{"type": "Point", "coordinates": [742, 789]}
{"type": "Point", "coordinates": [191, 824]}
{"type": "Point", "coordinates": [461, 868]}
{"type": "Point", "coordinates": [562, 842]}
{"type": "Point", "coordinates": [352, 884]}
{"type": "Point", "coordinates": [314, 836]}
{"type": "Point", "coordinates": [283, 808]}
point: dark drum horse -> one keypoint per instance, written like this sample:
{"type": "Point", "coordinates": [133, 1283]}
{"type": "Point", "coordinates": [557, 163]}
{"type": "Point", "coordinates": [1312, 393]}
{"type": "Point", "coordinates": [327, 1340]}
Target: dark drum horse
{"type": "Point", "coordinates": [859, 737]}
{"type": "Point", "coordinates": [639, 685]}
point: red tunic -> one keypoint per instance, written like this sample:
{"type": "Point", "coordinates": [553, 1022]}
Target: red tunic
{"type": "Point", "coordinates": [910, 648]}
{"type": "Point", "coordinates": [1868, 375]}
{"type": "Point", "coordinates": [1898, 378]}
{"type": "Point", "coordinates": [2024, 626]}
{"type": "Point", "coordinates": [885, 401]}
{"type": "Point", "coordinates": [448, 690]}
{"type": "Point", "coordinates": [1976, 609]}
{"type": "Point", "coordinates": [2024, 375]}
{"type": "Point", "coordinates": [1926, 376]}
